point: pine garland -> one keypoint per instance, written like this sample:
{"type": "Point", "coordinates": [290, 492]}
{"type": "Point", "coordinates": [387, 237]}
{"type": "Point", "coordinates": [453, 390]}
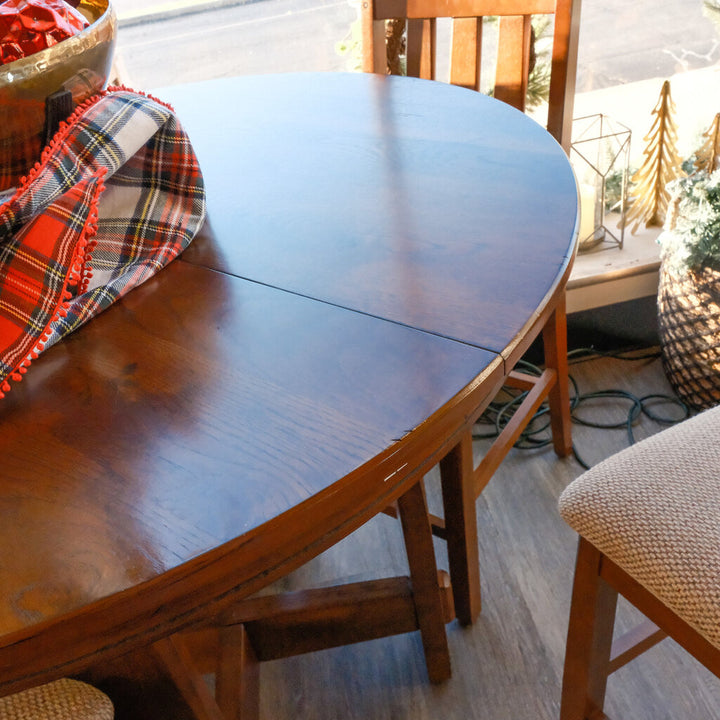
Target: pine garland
{"type": "Point", "coordinates": [708, 156]}
{"type": "Point", "coordinates": [692, 238]}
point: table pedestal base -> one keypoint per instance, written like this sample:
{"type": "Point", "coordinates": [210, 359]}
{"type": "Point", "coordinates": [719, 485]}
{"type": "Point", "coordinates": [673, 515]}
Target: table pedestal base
{"type": "Point", "coordinates": [278, 626]}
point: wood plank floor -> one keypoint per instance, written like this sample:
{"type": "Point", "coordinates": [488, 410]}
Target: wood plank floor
{"type": "Point", "coordinates": [507, 666]}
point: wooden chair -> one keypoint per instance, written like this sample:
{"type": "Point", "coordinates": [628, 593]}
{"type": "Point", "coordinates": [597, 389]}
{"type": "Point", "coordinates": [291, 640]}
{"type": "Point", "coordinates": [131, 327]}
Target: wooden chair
{"type": "Point", "coordinates": [462, 483]}
{"type": "Point", "coordinates": [514, 47]}
{"type": "Point", "coordinates": [648, 525]}
{"type": "Point", "coordinates": [64, 699]}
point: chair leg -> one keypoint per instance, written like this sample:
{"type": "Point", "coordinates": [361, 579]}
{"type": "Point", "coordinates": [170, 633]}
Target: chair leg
{"type": "Point", "coordinates": [237, 680]}
{"type": "Point", "coordinates": [589, 640]}
{"type": "Point", "coordinates": [456, 477]}
{"type": "Point", "coordinates": [555, 348]}
{"type": "Point", "coordinates": [413, 511]}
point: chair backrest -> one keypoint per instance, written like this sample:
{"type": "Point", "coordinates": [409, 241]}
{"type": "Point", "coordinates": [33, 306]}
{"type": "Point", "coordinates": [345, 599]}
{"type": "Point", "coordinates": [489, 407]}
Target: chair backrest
{"type": "Point", "coordinates": [514, 46]}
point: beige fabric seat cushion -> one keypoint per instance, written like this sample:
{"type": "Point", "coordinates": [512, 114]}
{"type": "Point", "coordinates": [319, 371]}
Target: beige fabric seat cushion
{"type": "Point", "coordinates": [654, 509]}
{"type": "Point", "coordinates": [60, 700]}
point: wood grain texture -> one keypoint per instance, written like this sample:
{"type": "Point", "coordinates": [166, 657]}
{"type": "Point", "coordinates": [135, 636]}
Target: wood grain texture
{"type": "Point", "coordinates": [209, 434]}
{"type": "Point", "coordinates": [455, 201]}
{"type": "Point", "coordinates": [466, 52]}
{"type": "Point", "coordinates": [289, 624]}
{"type": "Point", "coordinates": [468, 8]}
{"type": "Point", "coordinates": [509, 664]}
{"type": "Point", "coordinates": [515, 38]}
{"type": "Point", "coordinates": [173, 447]}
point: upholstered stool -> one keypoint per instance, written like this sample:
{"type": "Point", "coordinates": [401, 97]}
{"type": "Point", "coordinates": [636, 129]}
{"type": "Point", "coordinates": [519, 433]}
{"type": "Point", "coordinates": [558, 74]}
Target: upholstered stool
{"type": "Point", "coordinates": [60, 700]}
{"type": "Point", "coordinates": [649, 526]}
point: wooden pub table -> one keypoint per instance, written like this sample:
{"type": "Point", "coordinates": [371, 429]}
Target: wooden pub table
{"type": "Point", "coordinates": [374, 252]}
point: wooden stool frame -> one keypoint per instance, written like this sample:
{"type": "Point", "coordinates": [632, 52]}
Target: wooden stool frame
{"type": "Point", "coordinates": [592, 655]}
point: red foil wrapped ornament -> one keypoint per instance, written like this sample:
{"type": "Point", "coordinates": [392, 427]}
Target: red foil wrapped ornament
{"type": "Point", "coordinates": [28, 26]}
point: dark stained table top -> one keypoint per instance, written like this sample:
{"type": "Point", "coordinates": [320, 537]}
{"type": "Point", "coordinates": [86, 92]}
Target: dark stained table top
{"type": "Point", "coordinates": [418, 202]}
{"type": "Point", "coordinates": [276, 387]}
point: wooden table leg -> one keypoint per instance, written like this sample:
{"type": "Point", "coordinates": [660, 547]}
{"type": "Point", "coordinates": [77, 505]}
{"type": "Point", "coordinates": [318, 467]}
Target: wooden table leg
{"type": "Point", "coordinates": [412, 507]}
{"type": "Point", "coordinates": [237, 681]}
{"type": "Point", "coordinates": [456, 476]}
{"type": "Point", "coordinates": [237, 676]}
{"type": "Point", "coordinates": [175, 656]}
{"type": "Point", "coordinates": [555, 348]}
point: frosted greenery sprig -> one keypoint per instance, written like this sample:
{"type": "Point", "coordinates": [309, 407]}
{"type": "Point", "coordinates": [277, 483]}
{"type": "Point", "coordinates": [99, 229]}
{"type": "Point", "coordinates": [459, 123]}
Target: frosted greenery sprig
{"type": "Point", "coordinates": [691, 239]}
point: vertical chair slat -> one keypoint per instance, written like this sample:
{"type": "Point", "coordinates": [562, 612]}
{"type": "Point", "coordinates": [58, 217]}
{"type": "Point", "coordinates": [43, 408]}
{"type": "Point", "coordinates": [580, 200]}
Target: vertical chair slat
{"type": "Point", "coordinates": [465, 54]}
{"type": "Point", "coordinates": [562, 78]}
{"type": "Point", "coordinates": [513, 60]}
{"type": "Point", "coordinates": [421, 48]}
{"type": "Point", "coordinates": [372, 30]}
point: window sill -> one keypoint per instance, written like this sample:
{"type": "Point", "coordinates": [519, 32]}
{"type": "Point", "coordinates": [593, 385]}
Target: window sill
{"type": "Point", "coordinates": [606, 275]}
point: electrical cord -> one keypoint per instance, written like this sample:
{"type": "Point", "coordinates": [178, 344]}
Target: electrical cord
{"type": "Point", "coordinates": [536, 434]}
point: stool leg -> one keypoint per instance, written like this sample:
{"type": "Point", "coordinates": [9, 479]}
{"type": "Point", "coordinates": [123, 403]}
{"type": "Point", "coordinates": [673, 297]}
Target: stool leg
{"type": "Point", "coordinates": [413, 511]}
{"type": "Point", "coordinates": [458, 492]}
{"type": "Point", "coordinates": [589, 640]}
{"type": "Point", "coordinates": [555, 349]}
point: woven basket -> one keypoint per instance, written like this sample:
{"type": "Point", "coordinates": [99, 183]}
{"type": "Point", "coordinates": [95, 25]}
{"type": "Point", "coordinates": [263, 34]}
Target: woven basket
{"type": "Point", "coordinates": [689, 326]}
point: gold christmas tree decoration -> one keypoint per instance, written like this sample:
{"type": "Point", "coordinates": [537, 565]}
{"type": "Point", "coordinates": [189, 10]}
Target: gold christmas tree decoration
{"type": "Point", "coordinates": [708, 156]}
{"type": "Point", "coordinates": [661, 165]}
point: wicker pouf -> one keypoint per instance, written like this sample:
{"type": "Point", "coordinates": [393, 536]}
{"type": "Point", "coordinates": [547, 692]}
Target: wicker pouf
{"type": "Point", "coordinates": [689, 326]}
{"type": "Point", "coordinates": [60, 700]}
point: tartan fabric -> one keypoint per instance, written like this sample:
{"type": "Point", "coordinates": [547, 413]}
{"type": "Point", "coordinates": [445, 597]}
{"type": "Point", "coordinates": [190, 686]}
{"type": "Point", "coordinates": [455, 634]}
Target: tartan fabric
{"type": "Point", "coordinates": [116, 196]}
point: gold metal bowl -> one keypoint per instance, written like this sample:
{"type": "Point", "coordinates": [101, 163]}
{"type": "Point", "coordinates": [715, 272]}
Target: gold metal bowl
{"type": "Point", "coordinates": [80, 64]}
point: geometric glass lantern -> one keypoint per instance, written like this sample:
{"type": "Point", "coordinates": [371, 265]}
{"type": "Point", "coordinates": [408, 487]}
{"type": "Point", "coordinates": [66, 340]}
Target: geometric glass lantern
{"type": "Point", "coordinates": [600, 156]}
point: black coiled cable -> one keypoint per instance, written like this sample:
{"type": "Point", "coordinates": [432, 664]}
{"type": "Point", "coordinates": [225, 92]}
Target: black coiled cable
{"type": "Point", "coordinates": [536, 434]}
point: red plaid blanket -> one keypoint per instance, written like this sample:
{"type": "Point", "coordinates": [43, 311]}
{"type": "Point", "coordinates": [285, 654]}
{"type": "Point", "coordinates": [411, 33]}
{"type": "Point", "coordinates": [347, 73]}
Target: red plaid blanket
{"type": "Point", "coordinates": [115, 197]}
